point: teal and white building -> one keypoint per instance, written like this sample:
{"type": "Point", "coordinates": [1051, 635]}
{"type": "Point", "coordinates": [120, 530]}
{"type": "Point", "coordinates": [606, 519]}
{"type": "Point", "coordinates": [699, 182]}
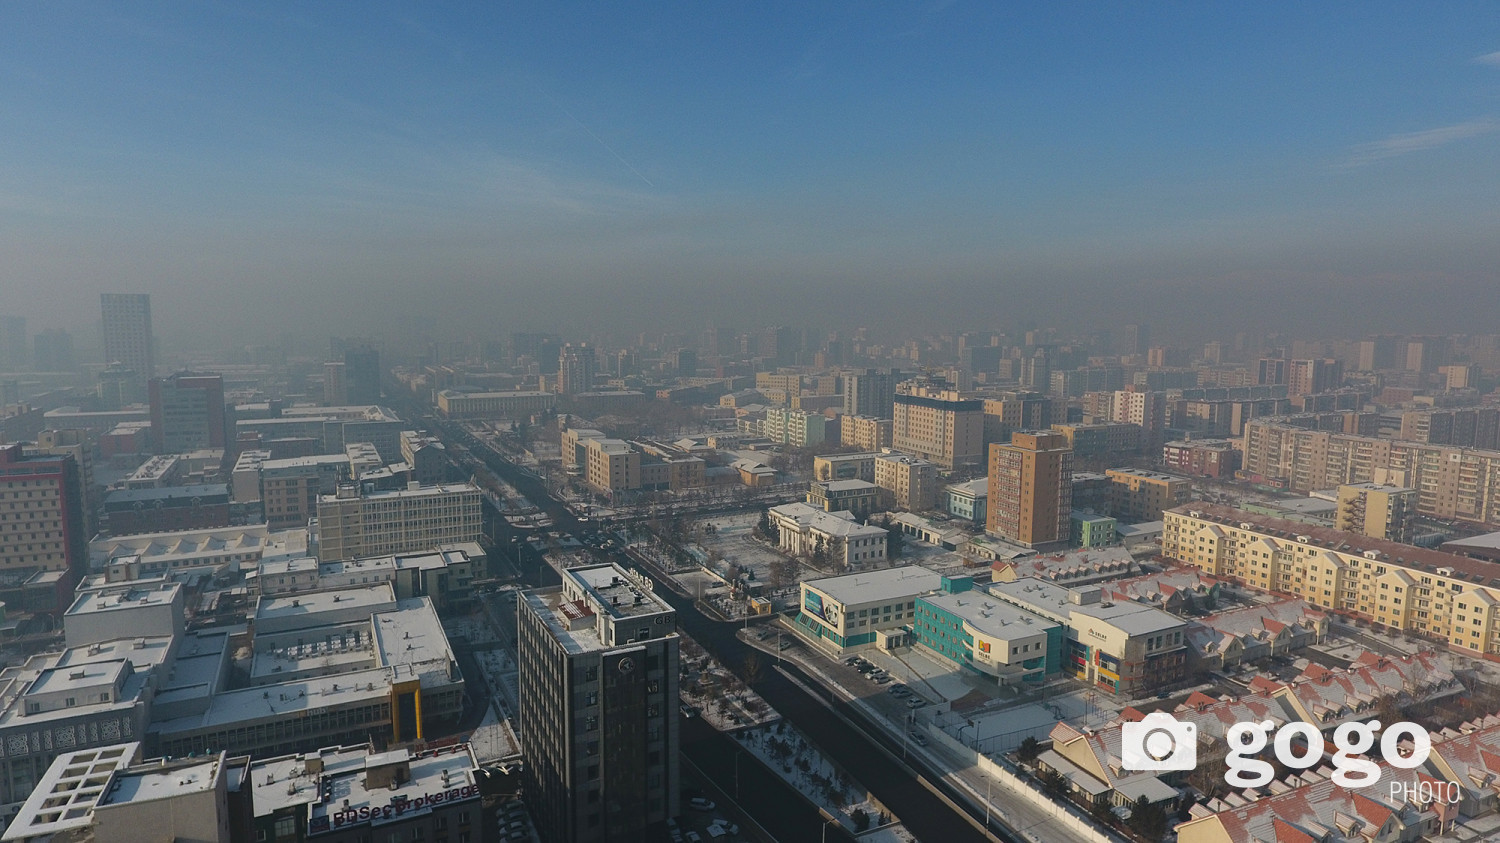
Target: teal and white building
{"type": "Point", "coordinates": [985, 636]}
{"type": "Point", "coordinates": [856, 610]}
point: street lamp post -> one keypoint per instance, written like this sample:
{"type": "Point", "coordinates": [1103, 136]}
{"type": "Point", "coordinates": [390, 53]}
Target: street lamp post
{"type": "Point", "coordinates": [827, 821]}
{"type": "Point", "coordinates": [987, 834]}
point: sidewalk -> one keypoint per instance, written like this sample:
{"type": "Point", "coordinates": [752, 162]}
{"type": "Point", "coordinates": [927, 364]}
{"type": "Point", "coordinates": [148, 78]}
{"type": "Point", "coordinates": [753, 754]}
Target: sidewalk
{"type": "Point", "coordinates": [1009, 805]}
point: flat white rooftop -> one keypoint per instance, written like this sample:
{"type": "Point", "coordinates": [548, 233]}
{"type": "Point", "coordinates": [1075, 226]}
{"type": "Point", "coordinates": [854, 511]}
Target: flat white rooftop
{"type": "Point", "coordinates": [878, 586]}
{"type": "Point", "coordinates": [248, 540]}
{"type": "Point", "coordinates": [420, 492]}
{"type": "Point", "coordinates": [311, 604]}
{"type": "Point", "coordinates": [615, 592]}
{"type": "Point", "coordinates": [168, 779]}
{"type": "Point", "coordinates": [281, 783]}
{"type": "Point", "coordinates": [56, 680]}
{"type": "Point", "coordinates": [1060, 603]}
{"type": "Point", "coordinates": [973, 488]}
{"type": "Point", "coordinates": [991, 616]}
{"type": "Point", "coordinates": [101, 602]}
{"type": "Point", "coordinates": [847, 485]}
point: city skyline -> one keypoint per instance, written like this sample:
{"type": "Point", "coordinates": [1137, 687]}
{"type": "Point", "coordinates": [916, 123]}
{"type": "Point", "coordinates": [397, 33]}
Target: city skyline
{"type": "Point", "coordinates": [584, 169]}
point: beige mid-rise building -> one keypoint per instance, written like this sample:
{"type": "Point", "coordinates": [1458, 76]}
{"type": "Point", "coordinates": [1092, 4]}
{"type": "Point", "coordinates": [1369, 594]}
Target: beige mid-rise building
{"type": "Point", "coordinates": [936, 423]}
{"type": "Point", "coordinates": [289, 489]}
{"type": "Point", "coordinates": [353, 524]}
{"type": "Point", "coordinates": [612, 465]}
{"type": "Point", "coordinates": [1377, 511]}
{"type": "Point", "coordinates": [1451, 482]}
{"type": "Point", "coordinates": [1031, 490]}
{"type": "Point", "coordinates": [866, 433]}
{"type": "Point", "coordinates": [1399, 586]}
{"type": "Point", "coordinates": [41, 513]}
{"type": "Point", "coordinates": [906, 482]}
{"type": "Point", "coordinates": [1013, 411]}
{"type": "Point", "coordinates": [1136, 495]}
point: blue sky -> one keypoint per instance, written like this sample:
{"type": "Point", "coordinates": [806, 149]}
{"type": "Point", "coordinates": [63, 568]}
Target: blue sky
{"type": "Point", "coordinates": [584, 165]}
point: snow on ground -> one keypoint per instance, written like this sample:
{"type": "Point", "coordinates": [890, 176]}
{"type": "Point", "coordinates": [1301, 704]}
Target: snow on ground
{"type": "Point", "coordinates": [894, 833]}
{"type": "Point", "coordinates": [717, 694]}
{"type": "Point", "coordinates": [475, 629]}
{"type": "Point", "coordinates": [499, 675]}
{"type": "Point", "coordinates": [790, 755]}
{"type": "Point", "coordinates": [493, 740]}
{"type": "Point", "coordinates": [732, 540]}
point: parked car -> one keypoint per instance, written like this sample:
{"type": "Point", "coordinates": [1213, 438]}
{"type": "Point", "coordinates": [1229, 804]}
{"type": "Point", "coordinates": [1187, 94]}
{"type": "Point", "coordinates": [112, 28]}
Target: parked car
{"type": "Point", "coordinates": [694, 837]}
{"type": "Point", "coordinates": [916, 702]}
{"type": "Point", "coordinates": [698, 803]}
{"type": "Point", "coordinates": [917, 737]}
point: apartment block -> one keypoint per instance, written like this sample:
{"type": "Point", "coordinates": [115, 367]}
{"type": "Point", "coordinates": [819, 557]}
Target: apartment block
{"type": "Point", "coordinates": [1012, 411]}
{"type": "Point", "coordinates": [1222, 417]}
{"type": "Point", "coordinates": [289, 489]}
{"type": "Point", "coordinates": [353, 524]}
{"type": "Point", "coordinates": [1136, 495]}
{"type": "Point", "coordinates": [1145, 408]}
{"type": "Point", "coordinates": [598, 667]}
{"type": "Point", "coordinates": [1430, 592]}
{"type": "Point", "coordinates": [871, 393]}
{"type": "Point", "coordinates": [1217, 458]}
{"type": "Point", "coordinates": [1101, 443]}
{"type": "Point", "coordinates": [906, 482]}
{"type": "Point", "coordinates": [187, 413]}
{"type": "Point", "coordinates": [1310, 377]}
{"type": "Point", "coordinates": [335, 384]}
{"type": "Point", "coordinates": [933, 422]}
{"type": "Point", "coordinates": [73, 443]}
{"type": "Point", "coordinates": [128, 339]}
{"type": "Point", "coordinates": [1377, 511]}
{"type": "Point", "coordinates": [577, 366]}
{"type": "Point", "coordinates": [41, 513]}
{"type": "Point", "coordinates": [1031, 489]}
{"type": "Point", "coordinates": [797, 428]}
{"type": "Point", "coordinates": [1466, 427]}
{"type": "Point", "coordinates": [1452, 482]}
{"type": "Point", "coordinates": [866, 433]}
{"type": "Point", "coordinates": [612, 465]}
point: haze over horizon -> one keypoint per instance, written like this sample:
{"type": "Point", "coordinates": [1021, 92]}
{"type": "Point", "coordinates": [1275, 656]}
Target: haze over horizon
{"type": "Point", "coordinates": [583, 168]}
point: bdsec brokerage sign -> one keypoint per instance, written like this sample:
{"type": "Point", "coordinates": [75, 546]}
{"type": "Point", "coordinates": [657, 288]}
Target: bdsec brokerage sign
{"type": "Point", "coordinates": [387, 813]}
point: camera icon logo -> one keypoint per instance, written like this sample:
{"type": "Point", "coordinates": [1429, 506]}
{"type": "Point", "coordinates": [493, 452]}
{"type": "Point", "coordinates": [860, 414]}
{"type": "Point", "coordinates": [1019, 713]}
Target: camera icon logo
{"type": "Point", "coordinates": [1159, 742]}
